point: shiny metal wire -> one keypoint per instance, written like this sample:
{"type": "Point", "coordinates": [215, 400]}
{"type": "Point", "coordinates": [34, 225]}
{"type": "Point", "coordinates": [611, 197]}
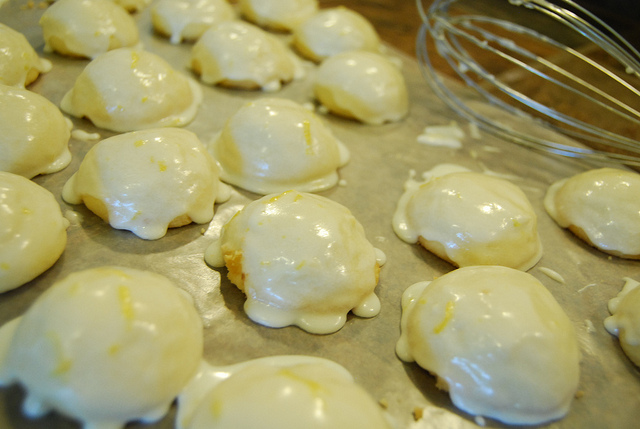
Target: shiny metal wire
{"type": "Point", "coordinates": [463, 38]}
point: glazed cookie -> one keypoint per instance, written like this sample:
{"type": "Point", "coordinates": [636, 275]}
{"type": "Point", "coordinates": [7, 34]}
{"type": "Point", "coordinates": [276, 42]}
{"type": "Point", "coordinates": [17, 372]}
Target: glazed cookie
{"type": "Point", "coordinates": [19, 63]}
{"type": "Point", "coordinates": [148, 181]}
{"type": "Point", "coordinates": [496, 340]}
{"type": "Point", "coordinates": [131, 89]}
{"type": "Point", "coordinates": [301, 259]}
{"type": "Point", "coordinates": [104, 346]}
{"type": "Point", "coordinates": [362, 85]}
{"type": "Point", "coordinates": [87, 28]}
{"type": "Point", "coordinates": [35, 136]}
{"type": "Point", "coordinates": [33, 232]}
{"type": "Point", "coordinates": [273, 144]}
{"type": "Point", "coordinates": [600, 206]}
{"type": "Point", "coordinates": [469, 218]}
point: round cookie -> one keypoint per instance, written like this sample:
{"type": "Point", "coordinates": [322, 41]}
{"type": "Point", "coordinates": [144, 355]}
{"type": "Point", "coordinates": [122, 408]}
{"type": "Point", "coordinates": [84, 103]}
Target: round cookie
{"type": "Point", "coordinates": [87, 28]}
{"type": "Point", "coordinates": [332, 31]}
{"type": "Point", "coordinates": [469, 218]}
{"type": "Point", "coordinates": [35, 137]}
{"type": "Point", "coordinates": [279, 392]}
{"type": "Point", "coordinates": [496, 340]}
{"type": "Point", "coordinates": [362, 85]}
{"type": "Point", "coordinates": [105, 346]}
{"type": "Point", "coordinates": [272, 145]}
{"type": "Point", "coordinates": [187, 20]}
{"type": "Point", "coordinates": [301, 259]}
{"type": "Point", "coordinates": [148, 181]}
{"type": "Point", "coordinates": [624, 321]}
{"type": "Point", "coordinates": [236, 54]}
{"type": "Point", "coordinates": [279, 15]}
{"type": "Point", "coordinates": [20, 65]}
{"type": "Point", "coordinates": [600, 206]}
{"type": "Point", "coordinates": [131, 89]}
{"type": "Point", "coordinates": [33, 232]}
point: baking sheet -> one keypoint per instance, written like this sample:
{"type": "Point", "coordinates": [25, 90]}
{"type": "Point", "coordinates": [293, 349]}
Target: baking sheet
{"type": "Point", "coordinates": [372, 182]}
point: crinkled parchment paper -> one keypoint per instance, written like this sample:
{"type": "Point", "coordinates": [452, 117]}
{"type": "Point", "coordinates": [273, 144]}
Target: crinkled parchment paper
{"type": "Point", "coordinates": [382, 157]}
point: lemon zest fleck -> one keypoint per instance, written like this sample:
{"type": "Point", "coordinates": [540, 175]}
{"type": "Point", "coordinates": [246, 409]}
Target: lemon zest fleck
{"type": "Point", "coordinates": [448, 315]}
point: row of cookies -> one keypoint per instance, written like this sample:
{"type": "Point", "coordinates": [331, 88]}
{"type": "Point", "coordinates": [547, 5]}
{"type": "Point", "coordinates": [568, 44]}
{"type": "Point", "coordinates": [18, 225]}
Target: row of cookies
{"type": "Point", "coordinates": [237, 274]}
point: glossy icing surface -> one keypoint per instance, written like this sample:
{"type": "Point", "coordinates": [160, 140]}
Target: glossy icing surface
{"type": "Point", "coordinates": [104, 346]}
{"type": "Point", "coordinates": [240, 55]}
{"type": "Point", "coordinates": [19, 63]}
{"type": "Point", "coordinates": [35, 135]}
{"type": "Point", "coordinates": [496, 339]}
{"type": "Point", "coordinates": [601, 206]}
{"type": "Point", "coordinates": [332, 31]}
{"type": "Point", "coordinates": [281, 392]}
{"type": "Point", "coordinates": [129, 89]}
{"type": "Point", "coordinates": [362, 85]}
{"type": "Point", "coordinates": [33, 232]}
{"type": "Point", "coordinates": [469, 218]}
{"type": "Point", "coordinates": [147, 181]}
{"type": "Point", "coordinates": [283, 15]}
{"type": "Point", "coordinates": [624, 321]}
{"type": "Point", "coordinates": [188, 19]}
{"type": "Point", "coordinates": [272, 145]}
{"type": "Point", "coordinates": [301, 259]}
{"type": "Point", "coordinates": [87, 28]}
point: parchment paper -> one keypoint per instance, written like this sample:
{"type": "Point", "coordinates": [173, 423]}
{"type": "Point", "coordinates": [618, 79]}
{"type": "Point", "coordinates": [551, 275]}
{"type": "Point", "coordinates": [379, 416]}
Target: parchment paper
{"type": "Point", "coordinates": [382, 157]}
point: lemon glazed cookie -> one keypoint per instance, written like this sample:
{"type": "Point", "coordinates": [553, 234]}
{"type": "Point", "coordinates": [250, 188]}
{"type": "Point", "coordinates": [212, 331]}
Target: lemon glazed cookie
{"type": "Point", "coordinates": [87, 28]}
{"type": "Point", "coordinates": [33, 232]}
{"type": "Point", "coordinates": [273, 144]}
{"type": "Point", "coordinates": [300, 259]}
{"type": "Point", "coordinates": [104, 346]}
{"type": "Point", "coordinates": [129, 89]}
{"type": "Point", "coordinates": [496, 340]}
{"type": "Point", "coordinates": [469, 218]}
{"type": "Point", "coordinates": [280, 392]}
{"type": "Point", "coordinates": [148, 181]}
{"type": "Point", "coordinates": [20, 65]}
{"type": "Point", "coordinates": [35, 134]}
{"type": "Point", "coordinates": [602, 207]}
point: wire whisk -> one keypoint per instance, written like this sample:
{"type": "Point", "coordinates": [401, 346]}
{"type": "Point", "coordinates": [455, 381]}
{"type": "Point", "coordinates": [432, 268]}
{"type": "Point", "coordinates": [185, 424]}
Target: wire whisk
{"type": "Point", "coordinates": [555, 64]}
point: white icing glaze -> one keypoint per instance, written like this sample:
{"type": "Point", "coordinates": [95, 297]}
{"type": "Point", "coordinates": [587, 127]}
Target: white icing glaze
{"type": "Point", "coordinates": [19, 63]}
{"type": "Point", "coordinates": [362, 85]}
{"type": "Point", "coordinates": [442, 135]}
{"type": "Point", "coordinates": [84, 135]}
{"type": "Point", "coordinates": [602, 206]}
{"type": "Point", "coordinates": [238, 54]}
{"type": "Point", "coordinates": [552, 274]}
{"type": "Point", "coordinates": [469, 218]}
{"type": "Point", "coordinates": [282, 15]}
{"type": "Point", "coordinates": [272, 145]}
{"type": "Point", "coordinates": [496, 339]}
{"type": "Point", "coordinates": [35, 134]}
{"type": "Point", "coordinates": [144, 180]}
{"type": "Point", "coordinates": [281, 392]}
{"type": "Point", "coordinates": [87, 28]}
{"type": "Point", "coordinates": [301, 259]}
{"type": "Point", "coordinates": [105, 346]}
{"type": "Point", "coordinates": [33, 232]}
{"type": "Point", "coordinates": [332, 31]}
{"type": "Point", "coordinates": [188, 19]}
{"type": "Point", "coordinates": [624, 321]}
{"type": "Point", "coordinates": [130, 89]}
